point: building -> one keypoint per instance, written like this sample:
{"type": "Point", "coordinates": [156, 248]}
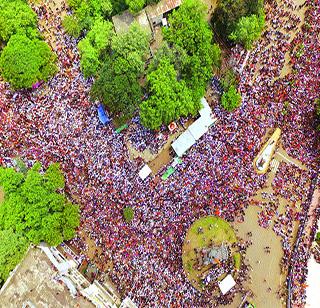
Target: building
{"type": "Point", "coordinates": [147, 18]}
{"type": "Point", "coordinates": [46, 278]}
{"type": "Point", "coordinates": [123, 21]}
{"type": "Point", "coordinates": [157, 11]}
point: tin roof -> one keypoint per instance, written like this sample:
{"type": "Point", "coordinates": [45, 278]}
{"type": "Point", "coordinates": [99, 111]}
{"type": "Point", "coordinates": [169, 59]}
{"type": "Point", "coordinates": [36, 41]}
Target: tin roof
{"type": "Point", "coordinates": [162, 7]}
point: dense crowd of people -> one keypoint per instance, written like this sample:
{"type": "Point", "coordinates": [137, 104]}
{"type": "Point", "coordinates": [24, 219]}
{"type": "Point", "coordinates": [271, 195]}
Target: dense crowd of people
{"type": "Point", "coordinates": [58, 123]}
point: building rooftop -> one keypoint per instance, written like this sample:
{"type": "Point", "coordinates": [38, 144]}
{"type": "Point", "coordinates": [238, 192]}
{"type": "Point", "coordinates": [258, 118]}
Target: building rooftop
{"type": "Point", "coordinates": [35, 283]}
{"type": "Point", "coordinates": [162, 7]}
{"type": "Point", "coordinates": [123, 21]}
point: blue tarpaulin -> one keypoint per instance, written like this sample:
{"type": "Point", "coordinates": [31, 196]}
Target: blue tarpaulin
{"type": "Point", "coordinates": [103, 117]}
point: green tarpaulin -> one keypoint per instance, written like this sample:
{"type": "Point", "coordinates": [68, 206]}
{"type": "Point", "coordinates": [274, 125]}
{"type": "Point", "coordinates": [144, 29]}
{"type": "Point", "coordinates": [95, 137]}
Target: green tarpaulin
{"type": "Point", "coordinates": [169, 171]}
{"type": "Point", "coordinates": [121, 128]}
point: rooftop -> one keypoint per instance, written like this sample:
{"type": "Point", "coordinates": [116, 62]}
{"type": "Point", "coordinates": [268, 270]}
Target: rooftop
{"type": "Point", "coordinates": [34, 283]}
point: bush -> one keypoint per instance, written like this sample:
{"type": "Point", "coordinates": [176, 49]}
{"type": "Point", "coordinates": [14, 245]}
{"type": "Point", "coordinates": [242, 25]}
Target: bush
{"type": "Point", "coordinates": [237, 259]}
{"type": "Point", "coordinates": [128, 214]}
{"type": "Point", "coordinates": [231, 99]}
{"type": "Point", "coordinates": [72, 26]}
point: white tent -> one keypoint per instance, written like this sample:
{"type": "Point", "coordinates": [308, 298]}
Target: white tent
{"type": "Point", "coordinates": [144, 172]}
{"type": "Point", "coordinates": [183, 143]}
{"type": "Point", "coordinates": [195, 131]}
{"type": "Point", "coordinates": [198, 129]}
{"type": "Point", "coordinates": [226, 284]}
{"type": "Point", "coordinates": [205, 107]}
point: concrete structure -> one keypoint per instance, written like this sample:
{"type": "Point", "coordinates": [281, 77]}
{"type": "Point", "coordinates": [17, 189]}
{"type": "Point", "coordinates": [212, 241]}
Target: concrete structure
{"type": "Point", "coordinates": [35, 283]}
{"type": "Point", "coordinates": [156, 11]}
{"type": "Point", "coordinates": [46, 278]}
{"type": "Point", "coordinates": [147, 18]}
{"type": "Point", "coordinates": [123, 21]}
{"type": "Point", "coordinates": [262, 160]}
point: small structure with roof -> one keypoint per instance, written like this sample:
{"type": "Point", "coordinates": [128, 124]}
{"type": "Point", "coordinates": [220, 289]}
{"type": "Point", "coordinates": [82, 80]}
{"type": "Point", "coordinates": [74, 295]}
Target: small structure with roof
{"type": "Point", "coordinates": [195, 131]}
{"type": "Point", "coordinates": [156, 11]}
{"type": "Point", "coordinates": [226, 284]}
{"type": "Point", "coordinates": [144, 172]}
{"type": "Point", "coordinates": [123, 21]}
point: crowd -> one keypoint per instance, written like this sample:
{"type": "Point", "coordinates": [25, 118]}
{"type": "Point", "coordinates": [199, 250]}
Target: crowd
{"type": "Point", "coordinates": [57, 122]}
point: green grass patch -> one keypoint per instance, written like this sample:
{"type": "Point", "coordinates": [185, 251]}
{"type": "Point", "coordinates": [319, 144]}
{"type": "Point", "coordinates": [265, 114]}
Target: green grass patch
{"type": "Point", "coordinates": [213, 229]}
{"type": "Point", "coordinates": [237, 260]}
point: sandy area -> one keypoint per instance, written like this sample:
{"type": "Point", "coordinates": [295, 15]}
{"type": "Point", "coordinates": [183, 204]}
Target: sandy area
{"type": "Point", "coordinates": [265, 267]}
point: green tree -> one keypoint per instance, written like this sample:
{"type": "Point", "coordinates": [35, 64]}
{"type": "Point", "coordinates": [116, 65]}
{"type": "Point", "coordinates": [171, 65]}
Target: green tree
{"type": "Point", "coordinates": [128, 214]}
{"type": "Point", "coordinates": [12, 249]}
{"type": "Point", "coordinates": [72, 25]}
{"type": "Point", "coordinates": [117, 83]}
{"type": "Point", "coordinates": [190, 31]}
{"type": "Point", "coordinates": [15, 16]}
{"type": "Point", "coordinates": [24, 61]}
{"type": "Point", "coordinates": [231, 99]}
{"type": "Point", "coordinates": [135, 6]}
{"type": "Point", "coordinates": [248, 29]}
{"type": "Point", "coordinates": [229, 79]}
{"type": "Point", "coordinates": [87, 11]}
{"type": "Point", "coordinates": [89, 62]}
{"type": "Point", "coordinates": [169, 98]}
{"type": "Point", "coordinates": [94, 46]}
{"type": "Point", "coordinates": [34, 207]}
{"type": "Point", "coordinates": [228, 13]}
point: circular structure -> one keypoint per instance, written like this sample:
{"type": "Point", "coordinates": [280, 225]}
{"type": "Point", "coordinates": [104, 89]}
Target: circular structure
{"type": "Point", "coordinates": [207, 254]}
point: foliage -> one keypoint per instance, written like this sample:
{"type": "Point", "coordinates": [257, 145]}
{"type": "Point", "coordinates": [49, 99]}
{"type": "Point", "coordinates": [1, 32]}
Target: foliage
{"type": "Point", "coordinates": [169, 98]}
{"type": "Point", "coordinates": [135, 6]}
{"type": "Point", "coordinates": [12, 248]}
{"type": "Point", "coordinates": [318, 237]}
{"type": "Point", "coordinates": [190, 31]}
{"type": "Point", "coordinates": [237, 260]}
{"type": "Point", "coordinates": [72, 25]}
{"type": "Point", "coordinates": [87, 11]}
{"type": "Point", "coordinates": [248, 29]}
{"type": "Point", "coordinates": [24, 61]}
{"type": "Point", "coordinates": [15, 17]}
{"type": "Point", "coordinates": [300, 50]}
{"type": "Point", "coordinates": [231, 99]}
{"type": "Point", "coordinates": [175, 54]}
{"type": "Point", "coordinates": [118, 6]}
{"type": "Point", "coordinates": [93, 47]}
{"type": "Point", "coordinates": [117, 83]}
{"type": "Point", "coordinates": [229, 79]}
{"type": "Point", "coordinates": [34, 207]}
{"type": "Point", "coordinates": [89, 62]}
{"type": "Point", "coordinates": [228, 13]}
{"type": "Point", "coordinates": [128, 214]}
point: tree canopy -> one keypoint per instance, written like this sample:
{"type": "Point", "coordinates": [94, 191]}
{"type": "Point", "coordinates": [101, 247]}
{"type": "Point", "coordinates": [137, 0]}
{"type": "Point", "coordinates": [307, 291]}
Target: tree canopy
{"type": "Point", "coordinates": [33, 205]}
{"type": "Point", "coordinates": [169, 98]}
{"type": "Point", "coordinates": [85, 12]}
{"type": "Point", "coordinates": [135, 5]}
{"type": "Point", "coordinates": [228, 19]}
{"type": "Point", "coordinates": [117, 84]}
{"type": "Point", "coordinates": [33, 210]}
{"type": "Point", "coordinates": [248, 29]}
{"type": "Point", "coordinates": [12, 249]}
{"type": "Point", "coordinates": [25, 61]}
{"type": "Point", "coordinates": [15, 17]}
{"type": "Point", "coordinates": [94, 46]}
{"type": "Point", "coordinates": [190, 31]}
{"type": "Point", "coordinates": [231, 99]}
